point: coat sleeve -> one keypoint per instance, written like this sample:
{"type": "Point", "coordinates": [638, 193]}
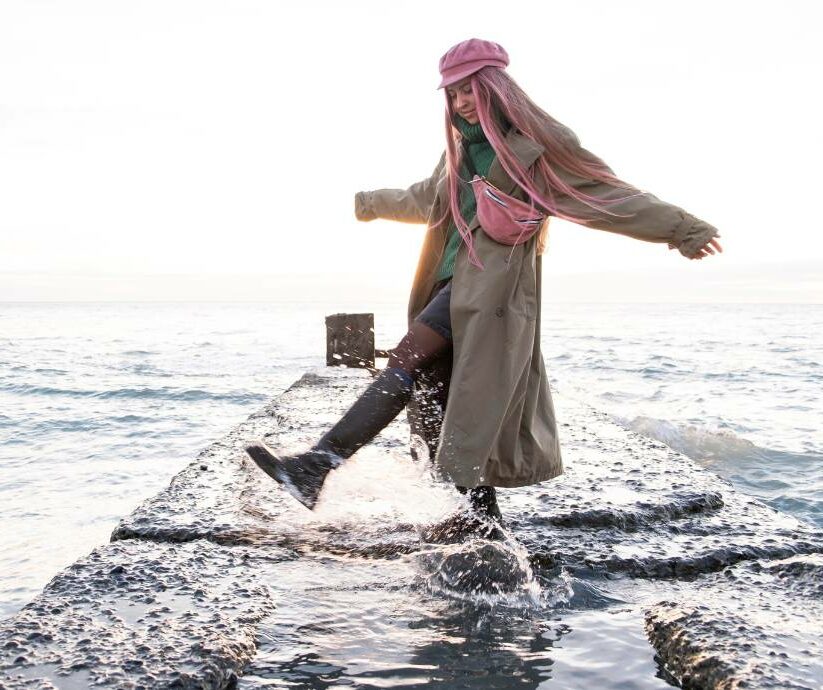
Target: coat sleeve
{"type": "Point", "coordinates": [410, 205]}
{"type": "Point", "coordinates": [644, 217]}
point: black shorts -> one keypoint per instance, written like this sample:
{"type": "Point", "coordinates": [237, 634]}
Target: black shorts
{"type": "Point", "coordinates": [436, 313]}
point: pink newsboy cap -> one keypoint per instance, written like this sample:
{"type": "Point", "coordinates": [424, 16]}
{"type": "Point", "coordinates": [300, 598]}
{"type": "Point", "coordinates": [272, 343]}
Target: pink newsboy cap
{"type": "Point", "coordinates": [469, 56]}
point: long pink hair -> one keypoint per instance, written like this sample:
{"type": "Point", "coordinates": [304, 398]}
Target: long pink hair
{"type": "Point", "coordinates": [499, 99]}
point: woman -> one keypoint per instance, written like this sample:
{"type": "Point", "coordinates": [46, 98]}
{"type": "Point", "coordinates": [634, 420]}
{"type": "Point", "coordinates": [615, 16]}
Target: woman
{"type": "Point", "coordinates": [470, 368]}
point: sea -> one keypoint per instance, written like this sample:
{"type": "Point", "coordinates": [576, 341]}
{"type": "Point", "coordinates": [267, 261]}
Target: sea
{"type": "Point", "coordinates": [101, 404]}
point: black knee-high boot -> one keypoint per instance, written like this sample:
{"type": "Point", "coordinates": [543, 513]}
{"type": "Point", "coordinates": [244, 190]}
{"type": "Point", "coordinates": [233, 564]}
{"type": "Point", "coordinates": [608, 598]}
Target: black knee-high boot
{"type": "Point", "coordinates": [482, 519]}
{"type": "Point", "coordinates": [303, 475]}
{"type": "Point", "coordinates": [483, 501]}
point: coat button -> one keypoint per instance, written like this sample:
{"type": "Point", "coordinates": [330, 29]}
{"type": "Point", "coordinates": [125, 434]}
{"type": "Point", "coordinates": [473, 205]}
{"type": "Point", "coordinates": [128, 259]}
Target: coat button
{"type": "Point", "coordinates": [499, 311]}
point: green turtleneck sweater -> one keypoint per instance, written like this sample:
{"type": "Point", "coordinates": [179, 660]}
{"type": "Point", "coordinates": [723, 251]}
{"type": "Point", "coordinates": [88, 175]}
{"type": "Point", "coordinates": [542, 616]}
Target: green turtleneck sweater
{"type": "Point", "coordinates": [482, 155]}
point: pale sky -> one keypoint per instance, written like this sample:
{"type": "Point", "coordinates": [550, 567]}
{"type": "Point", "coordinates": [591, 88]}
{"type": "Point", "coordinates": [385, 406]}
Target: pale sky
{"type": "Point", "coordinates": [225, 139]}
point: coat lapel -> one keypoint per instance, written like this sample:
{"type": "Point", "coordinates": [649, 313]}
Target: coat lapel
{"type": "Point", "coordinates": [526, 150]}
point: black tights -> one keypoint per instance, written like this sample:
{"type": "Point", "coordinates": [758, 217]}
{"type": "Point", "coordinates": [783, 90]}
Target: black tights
{"type": "Point", "coordinates": [417, 348]}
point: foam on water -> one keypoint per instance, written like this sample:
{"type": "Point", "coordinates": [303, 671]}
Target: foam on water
{"type": "Point", "coordinates": [791, 482]}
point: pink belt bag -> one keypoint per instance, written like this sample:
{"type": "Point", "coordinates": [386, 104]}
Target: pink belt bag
{"type": "Point", "coordinates": [503, 218]}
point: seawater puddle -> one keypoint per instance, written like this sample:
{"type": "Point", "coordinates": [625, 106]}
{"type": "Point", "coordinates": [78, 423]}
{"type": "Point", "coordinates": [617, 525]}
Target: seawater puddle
{"type": "Point", "coordinates": [342, 621]}
{"type": "Point", "coordinates": [476, 613]}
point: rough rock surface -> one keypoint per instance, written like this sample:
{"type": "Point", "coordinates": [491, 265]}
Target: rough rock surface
{"type": "Point", "coordinates": [139, 614]}
{"type": "Point", "coordinates": [728, 589]}
{"type": "Point", "coordinates": [735, 630]}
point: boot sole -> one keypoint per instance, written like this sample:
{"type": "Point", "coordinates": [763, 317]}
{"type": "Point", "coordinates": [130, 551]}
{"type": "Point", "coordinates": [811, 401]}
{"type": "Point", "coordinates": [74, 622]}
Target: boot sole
{"type": "Point", "coordinates": [268, 461]}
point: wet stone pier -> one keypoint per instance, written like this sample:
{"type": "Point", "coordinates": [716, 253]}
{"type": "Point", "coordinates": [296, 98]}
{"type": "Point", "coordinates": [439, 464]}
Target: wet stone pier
{"type": "Point", "coordinates": [635, 569]}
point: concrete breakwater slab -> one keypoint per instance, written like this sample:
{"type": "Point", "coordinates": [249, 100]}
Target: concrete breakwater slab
{"type": "Point", "coordinates": [224, 498]}
{"type": "Point", "coordinates": [628, 504]}
{"type": "Point", "coordinates": [138, 614]}
{"type": "Point", "coordinates": [601, 577]}
{"type": "Point", "coordinates": [762, 626]}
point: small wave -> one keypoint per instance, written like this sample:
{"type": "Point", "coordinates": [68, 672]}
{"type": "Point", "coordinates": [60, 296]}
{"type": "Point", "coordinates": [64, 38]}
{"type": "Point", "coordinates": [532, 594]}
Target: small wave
{"type": "Point", "coordinates": [189, 395]}
{"type": "Point", "coordinates": [787, 481]}
{"type": "Point", "coordinates": [657, 372]}
{"type": "Point", "coordinates": [132, 419]}
{"type": "Point", "coordinates": [53, 426]}
{"type": "Point", "coordinates": [697, 443]}
{"type": "Point", "coordinates": [601, 338]}
{"type": "Point", "coordinates": [805, 362]}
{"type": "Point", "coordinates": [750, 374]}
{"type": "Point", "coordinates": [142, 369]}
{"type": "Point", "coordinates": [58, 372]}
{"type": "Point", "coordinates": [48, 426]}
{"type": "Point", "coordinates": [658, 357]}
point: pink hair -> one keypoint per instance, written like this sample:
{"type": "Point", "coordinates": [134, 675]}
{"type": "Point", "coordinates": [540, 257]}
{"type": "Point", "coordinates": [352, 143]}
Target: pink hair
{"type": "Point", "coordinates": [498, 98]}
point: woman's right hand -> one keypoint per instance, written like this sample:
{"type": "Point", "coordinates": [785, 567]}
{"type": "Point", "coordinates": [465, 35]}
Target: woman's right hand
{"type": "Point", "coordinates": [706, 249]}
{"type": "Point", "coordinates": [362, 207]}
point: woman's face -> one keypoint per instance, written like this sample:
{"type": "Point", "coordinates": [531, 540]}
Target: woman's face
{"type": "Point", "coordinates": [462, 100]}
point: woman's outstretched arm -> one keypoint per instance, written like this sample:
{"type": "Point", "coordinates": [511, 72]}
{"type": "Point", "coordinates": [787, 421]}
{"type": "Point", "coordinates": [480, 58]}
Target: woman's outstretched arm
{"type": "Point", "coordinates": [648, 218]}
{"type": "Point", "coordinates": [410, 205]}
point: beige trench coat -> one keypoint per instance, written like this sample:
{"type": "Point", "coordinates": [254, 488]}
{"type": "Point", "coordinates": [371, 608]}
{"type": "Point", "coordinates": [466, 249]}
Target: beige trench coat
{"type": "Point", "coordinates": [499, 427]}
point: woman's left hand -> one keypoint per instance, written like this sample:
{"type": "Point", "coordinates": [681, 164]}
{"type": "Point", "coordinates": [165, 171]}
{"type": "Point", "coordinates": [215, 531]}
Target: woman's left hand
{"type": "Point", "coordinates": [706, 249]}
